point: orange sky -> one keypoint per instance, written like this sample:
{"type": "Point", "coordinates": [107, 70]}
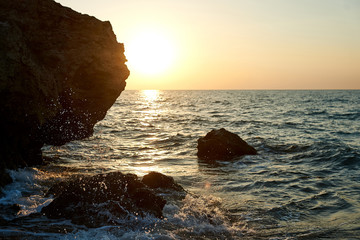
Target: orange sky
{"type": "Point", "coordinates": [238, 44]}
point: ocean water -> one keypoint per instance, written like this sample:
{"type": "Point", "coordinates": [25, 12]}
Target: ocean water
{"type": "Point", "coordinates": [303, 184]}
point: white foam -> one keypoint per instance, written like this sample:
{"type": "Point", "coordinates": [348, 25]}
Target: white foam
{"type": "Point", "coordinates": [195, 216]}
{"type": "Point", "coordinates": [25, 191]}
{"type": "Point", "coordinates": [201, 215]}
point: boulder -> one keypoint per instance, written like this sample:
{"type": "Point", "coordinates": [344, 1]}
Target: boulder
{"type": "Point", "coordinates": [222, 145]}
{"type": "Point", "coordinates": [156, 180]}
{"type": "Point", "coordinates": [103, 199]}
{"type": "Point", "coordinates": [60, 71]}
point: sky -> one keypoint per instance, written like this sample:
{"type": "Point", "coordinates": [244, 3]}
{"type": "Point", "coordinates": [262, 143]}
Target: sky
{"type": "Point", "coordinates": [235, 44]}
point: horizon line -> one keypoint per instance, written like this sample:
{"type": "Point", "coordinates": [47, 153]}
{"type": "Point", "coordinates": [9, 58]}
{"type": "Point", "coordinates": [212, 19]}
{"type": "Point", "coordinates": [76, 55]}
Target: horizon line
{"type": "Point", "coordinates": [249, 89]}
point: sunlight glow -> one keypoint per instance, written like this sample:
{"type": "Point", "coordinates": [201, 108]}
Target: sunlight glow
{"type": "Point", "coordinates": [150, 95]}
{"type": "Point", "coordinates": [150, 52]}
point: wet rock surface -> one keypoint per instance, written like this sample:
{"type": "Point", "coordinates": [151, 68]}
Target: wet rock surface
{"type": "Point", "coordinates": [105, 198]}
{"type": "Point", "coordinates": [60, 71]}
{"type": "Point", "coordinates": [222, 145]}
{"type": "Point", "coordinates": [157, 180]}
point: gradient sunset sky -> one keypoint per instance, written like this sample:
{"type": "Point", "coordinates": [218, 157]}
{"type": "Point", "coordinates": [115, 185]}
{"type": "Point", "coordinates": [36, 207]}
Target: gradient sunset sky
{"type": "Point", "coordinates": [237, 44]}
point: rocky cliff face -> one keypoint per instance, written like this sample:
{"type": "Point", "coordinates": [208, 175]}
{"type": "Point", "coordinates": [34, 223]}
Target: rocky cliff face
{"type": "Point", "coordinates": [60, 71]}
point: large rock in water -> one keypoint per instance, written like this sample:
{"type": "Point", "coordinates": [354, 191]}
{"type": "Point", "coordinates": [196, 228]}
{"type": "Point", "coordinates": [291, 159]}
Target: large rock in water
{"type": "Point", "coordinates": [107, 198]}
{"type": "Point", "coordinates": [222, 145]}
{"type": "Point", "coordinates": [60, 71]}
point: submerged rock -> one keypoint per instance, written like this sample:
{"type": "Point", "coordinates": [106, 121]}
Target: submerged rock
{"type": "Point", "coordinates": [103, 199]}
{"type": "Point", "coordinates": [60, 71]}
{"type": "Point", "coordinates": [222, 145]}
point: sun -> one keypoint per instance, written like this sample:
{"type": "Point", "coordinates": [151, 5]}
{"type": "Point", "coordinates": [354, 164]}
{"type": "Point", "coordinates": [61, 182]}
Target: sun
{"type": "Point", "coordinates": [150, 52]}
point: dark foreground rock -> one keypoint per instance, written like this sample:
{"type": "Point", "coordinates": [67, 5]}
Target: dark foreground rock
{"type": "Point", "coordinates": [60, 71]}
{"type": "Point", "coordinates": [156, 180]}
{"type": "Point", "coordinates": [222, 145]}
{"type": "Point", "coordinates": [105, 198]}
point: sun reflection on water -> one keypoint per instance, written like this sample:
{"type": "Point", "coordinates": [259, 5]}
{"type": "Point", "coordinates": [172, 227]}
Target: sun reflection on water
{"type": "Point", "coordinates": [151, 108]}
{"type": "Point", "coordinates": [150, 95]}
{"type": "Point", "coordinates": [150, 111]}
{"type": "Point", "coordinates": [142, 170]}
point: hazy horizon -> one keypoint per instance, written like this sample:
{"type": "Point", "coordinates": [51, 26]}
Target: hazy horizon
{"type": "Point", "coordinates": [241, 45]}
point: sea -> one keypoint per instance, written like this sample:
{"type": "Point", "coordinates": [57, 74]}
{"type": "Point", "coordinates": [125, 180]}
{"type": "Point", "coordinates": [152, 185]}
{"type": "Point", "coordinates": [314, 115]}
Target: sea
{"type": "Point", "coordinates": [304, 183]}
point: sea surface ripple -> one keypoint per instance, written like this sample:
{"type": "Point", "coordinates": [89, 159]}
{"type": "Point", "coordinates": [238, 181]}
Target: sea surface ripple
{"type": "Point", "coordinates": [303, 184]}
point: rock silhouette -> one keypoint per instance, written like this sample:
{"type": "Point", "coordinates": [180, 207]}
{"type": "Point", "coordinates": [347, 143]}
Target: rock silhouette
{"type": "Point", "coordinates": [222, 145]}
{"type": "Point", "coordinates": [103, 199]}
{"type": "Point", "coordinates": [156, 180]}
{"type": "Point", "coordinates": [60, 71]}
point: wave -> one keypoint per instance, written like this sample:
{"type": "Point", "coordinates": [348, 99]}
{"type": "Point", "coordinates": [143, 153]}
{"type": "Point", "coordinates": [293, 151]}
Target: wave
{"type": "Point", "coordinates": [26, 193]}
{"type": "Point", "coordinates": [352, 116]}
{"type": "Point", "coordinates": [302, 184]}
{"type": "Point", "coordinates": [192, 217]}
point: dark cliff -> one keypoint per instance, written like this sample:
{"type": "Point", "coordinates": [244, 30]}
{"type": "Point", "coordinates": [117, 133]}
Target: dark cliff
{"type": "Point", "coordinates": [60, 71]}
